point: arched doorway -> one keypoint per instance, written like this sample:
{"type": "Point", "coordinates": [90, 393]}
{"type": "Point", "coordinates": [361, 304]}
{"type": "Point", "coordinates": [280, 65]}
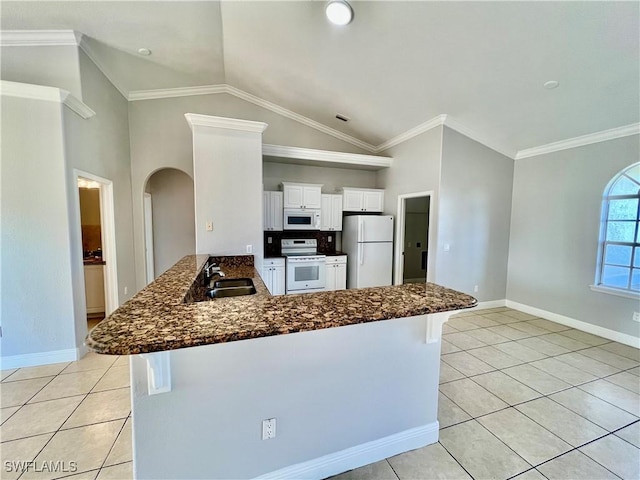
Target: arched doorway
{"type": "Point", "coordinates": [172, 218]}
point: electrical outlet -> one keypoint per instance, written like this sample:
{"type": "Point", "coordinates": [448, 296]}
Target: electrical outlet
{"type": "Point", "coordinates": [447, 247]}
{"type": "Point", "coordinates": [269, 239]}
{"type": "Point", "coordinates": [329, 239]}
{"type": "Point", "coordinates": [636, 316]}
{"type": "Point", "coordinates": [209, 226]}
{"type": "Point", "coordinates": [249, 248]}
{"type": "Point", "coordinates": [126, 290]}
{"type": "Point", "coordinates": [269, 428]}
{"type": "Point", "coordinates": [475, 288]}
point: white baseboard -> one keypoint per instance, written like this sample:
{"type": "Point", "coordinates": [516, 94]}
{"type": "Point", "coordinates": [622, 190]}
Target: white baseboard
{"type": "Point", "coordinates": [40, 358]}
{"type": "Point", "coordinates": [578, 324]}
{"type": "Point", "coordinates": [354, 457]}
{"type": "Point", "coordinates": [490, 304]}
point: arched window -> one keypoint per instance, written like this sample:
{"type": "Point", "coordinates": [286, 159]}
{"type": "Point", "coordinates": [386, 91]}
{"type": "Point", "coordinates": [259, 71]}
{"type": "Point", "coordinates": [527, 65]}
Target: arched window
{"type": "Point", "coordinates": [619, 252]}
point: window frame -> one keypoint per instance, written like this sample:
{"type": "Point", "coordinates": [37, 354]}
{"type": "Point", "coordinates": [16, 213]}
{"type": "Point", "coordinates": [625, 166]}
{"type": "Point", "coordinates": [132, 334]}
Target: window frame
{"type": "Point", "coordinates": [603, 243]}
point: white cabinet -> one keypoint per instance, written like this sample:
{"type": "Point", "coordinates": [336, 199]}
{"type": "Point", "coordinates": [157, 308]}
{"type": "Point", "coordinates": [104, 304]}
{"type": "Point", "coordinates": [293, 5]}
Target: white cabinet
{"type": "Point", "coordinates": [272, 211]}
{"type": "Point", "coordinates": [336, 278]}
{"type": "Point", "coordinates": [331, 213]}
{"type": "Point", "coordinates": [362, 200]}
{"type": "Point", "coordinates": [273, 275]}
{"type": "Point", "coordinates": [302, 195]}
{"type": "Point", "coordinates": [94, 288]}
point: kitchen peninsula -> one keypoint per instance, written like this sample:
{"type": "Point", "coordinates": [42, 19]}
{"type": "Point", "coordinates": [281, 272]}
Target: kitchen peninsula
{"type": "Point", "coordinates": [349, 376]}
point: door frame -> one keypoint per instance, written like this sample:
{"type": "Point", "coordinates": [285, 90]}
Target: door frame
{"type": "Point", "coordinates": [148, 238]}
{"type": "Point", "coordinates": [400, 224]}
{"type": "Point", "coordinates": [108, 233]}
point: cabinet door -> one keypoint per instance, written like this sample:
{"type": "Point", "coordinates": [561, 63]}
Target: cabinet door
{"type": "Point", "coordinates": [278, 280]}
{"type": "Point", "coordinates": [293, 196]}
{"type": "Point", "coordinates": [312, 197]}
{"type": "Point", "coordinates": [267, 278]}
{"type": "Point", "coordinates": [373, 201]}
{"type": "Point", "coordinates": [326, 213]}
{"type": "Point", "coordinates": [94, 288]}
{"type": "Point", "coordinates": [340, 276]}
{"type": "Point", "coordinates": [336, 213]}
{"type": "Point", "coordinates": [330, 278]}
{"type": "Point", "coordinates": [275, 210]}
{"type": "Point", "coordinates": [352, 200]}
{"type": "Point", "coordinates": [266, 210]}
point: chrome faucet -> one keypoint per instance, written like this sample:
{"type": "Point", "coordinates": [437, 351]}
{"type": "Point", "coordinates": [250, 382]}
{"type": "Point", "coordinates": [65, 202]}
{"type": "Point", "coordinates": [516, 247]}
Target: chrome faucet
{"type": "Point", "coordinates": [213, 269]}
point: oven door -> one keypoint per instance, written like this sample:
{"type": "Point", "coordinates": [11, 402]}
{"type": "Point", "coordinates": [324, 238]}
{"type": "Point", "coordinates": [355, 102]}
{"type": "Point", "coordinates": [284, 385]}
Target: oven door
{"type": "Point", "coordinates": [305, 274]}
{"type": "Point", "coordinates": [301, 219]}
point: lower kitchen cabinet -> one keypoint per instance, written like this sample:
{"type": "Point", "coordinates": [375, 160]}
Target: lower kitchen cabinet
{"type": "Point", "coordinates": [94, 288]}
{"type": "Point", "coordinates": [273, 275]}
{"type": "Point", "coordinates": [336, 278]}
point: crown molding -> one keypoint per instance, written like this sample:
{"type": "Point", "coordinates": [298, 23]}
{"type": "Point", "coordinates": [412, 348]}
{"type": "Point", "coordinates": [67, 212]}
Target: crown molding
{"type": "Point", "coordinates": [414, 132]}
{"type": "Point", "coordinates": [196, 120]}
{"type": "Point", "coordinates": [48, 94]}
{"type": "Point", "coordinates": [39, 38]}
{"type": "Point", "coordinates": [156, 94]}
{"type": "Point", "coordinates": [602, 136]}
{"type": "Point", "coordinates": [326, 157]}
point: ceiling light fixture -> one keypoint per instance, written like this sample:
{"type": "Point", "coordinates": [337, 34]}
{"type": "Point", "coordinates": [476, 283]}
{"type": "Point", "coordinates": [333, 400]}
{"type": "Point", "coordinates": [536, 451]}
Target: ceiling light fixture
{"type": "Point", "coordinates": [339, 12]}
{"type": "Point", "coordinates": [144, 51]}
{"type": "Point", "coordinates": [551, 84]}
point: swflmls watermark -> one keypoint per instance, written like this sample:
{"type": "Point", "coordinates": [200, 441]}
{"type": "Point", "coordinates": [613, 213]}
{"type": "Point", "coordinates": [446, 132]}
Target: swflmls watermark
{"type": "Point", "coordinates": [58, 466]}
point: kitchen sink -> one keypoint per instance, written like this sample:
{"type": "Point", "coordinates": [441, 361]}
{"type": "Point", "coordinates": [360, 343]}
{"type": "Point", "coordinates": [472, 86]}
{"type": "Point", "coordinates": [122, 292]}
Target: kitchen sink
{"type": "Point", "coordinates": [232, 287]}
{"type": "Point", "coordinates": [233, 282]}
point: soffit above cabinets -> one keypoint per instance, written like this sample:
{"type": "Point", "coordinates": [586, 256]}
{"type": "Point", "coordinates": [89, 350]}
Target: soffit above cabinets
{"type": "Point", "coordinates": [323, 158]}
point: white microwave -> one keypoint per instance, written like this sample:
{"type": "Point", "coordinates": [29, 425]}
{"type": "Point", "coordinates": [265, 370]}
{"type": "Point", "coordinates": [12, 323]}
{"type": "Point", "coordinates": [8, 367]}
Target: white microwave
{"type": "Point", "coordinates": [301, 219]}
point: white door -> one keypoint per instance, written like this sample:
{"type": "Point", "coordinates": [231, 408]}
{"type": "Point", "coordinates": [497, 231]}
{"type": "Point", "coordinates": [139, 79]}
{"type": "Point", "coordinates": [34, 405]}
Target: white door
{"type": "Point", "coordinates": [340, 276]}
{"type": "Point", "coordinates": [336, 207]}
{"type": "Point", "coordinates": [293, 196]}
{"type": "Point", "coordinates": [312, 197]}
{"type": "Point", "coordinates": [352, 201]}
{"type": "Point", "coordinates": [326, 213]}
{"type": "Point", "coordinates": [373, 201]}
{"type": "Point", "coordinates": [374, 264]}
{"type": "Point", "coordinates": [266, 210]}
{"type": "Point", "coordinates": [376, 228]}
{"type": "Point", "coordinates": [330, 279]}
{"type": "Point", "coordinates": [278, 280]}
{"type": "Point", "coordinates": [275, 211]}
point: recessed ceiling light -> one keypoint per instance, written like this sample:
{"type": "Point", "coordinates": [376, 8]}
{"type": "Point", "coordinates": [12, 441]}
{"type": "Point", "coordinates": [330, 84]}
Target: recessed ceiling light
{"type": "Point", "coordinates": [339, 12]}
{"type": "Point", "coordinates": [551, 84]}
{"type": "Point", "coordinates": [144, 51]}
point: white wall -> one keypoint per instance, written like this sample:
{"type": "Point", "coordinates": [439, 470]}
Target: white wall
{"type": "Point", "coordinates": [332, 179]}
{"type": "Point", "coordinates": [227, 172]}
{"type": "Point", "coordinates": [53, 66]}
{"type": "Point", "coordinates": [160, 138]}
{"type": "Point", "coordinates": [554, 233]}
{"type": "Point", "coordinates": [474, 217]}
{"type": "Point", "coordinates": [334, 396]}
{"type": "Point", "coordinates": [173, 217]}
{"type": "Point", "coordinates": [36, 301]}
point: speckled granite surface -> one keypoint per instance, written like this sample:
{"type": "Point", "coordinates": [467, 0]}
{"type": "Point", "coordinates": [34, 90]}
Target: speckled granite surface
{"type": "Point", "coordinates": [158, 318]}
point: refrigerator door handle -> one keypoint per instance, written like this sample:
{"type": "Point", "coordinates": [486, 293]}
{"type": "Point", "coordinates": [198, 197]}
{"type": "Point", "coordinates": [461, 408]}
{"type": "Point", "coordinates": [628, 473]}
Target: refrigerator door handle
{"type": "Point", "coordinates": [360, 230]}
{"type": "Point", "coordinates": [361, 253]}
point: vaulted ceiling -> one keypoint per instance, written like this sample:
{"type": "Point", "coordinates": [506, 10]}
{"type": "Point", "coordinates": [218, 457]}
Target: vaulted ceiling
{"type": "Point", "coordinates": [396, 66]}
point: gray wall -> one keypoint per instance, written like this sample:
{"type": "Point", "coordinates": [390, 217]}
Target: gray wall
{"type": "Point", "coordinates": [554, 233]}
{"type": "Point", "coordinates": [474, 217]}
{"type": "Point", "coordinates": [36, 301]}
{"type": "Point", "coordinates": [173, 217]}
{"type": "Point", "coordinates": [52, 66]}
{"type": "Point", "coordinates": [332, 179]}
{"type": "Point", "coordinates": [160, 138]}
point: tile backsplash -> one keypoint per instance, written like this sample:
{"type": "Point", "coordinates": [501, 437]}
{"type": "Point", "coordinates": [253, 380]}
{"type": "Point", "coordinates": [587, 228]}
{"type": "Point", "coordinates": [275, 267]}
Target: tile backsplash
{"type": "Point", "coordinates": [326, 241]}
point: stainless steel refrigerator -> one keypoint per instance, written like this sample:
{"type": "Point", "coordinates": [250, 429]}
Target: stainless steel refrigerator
{"type": "Point", "coordinates": [368, 242]}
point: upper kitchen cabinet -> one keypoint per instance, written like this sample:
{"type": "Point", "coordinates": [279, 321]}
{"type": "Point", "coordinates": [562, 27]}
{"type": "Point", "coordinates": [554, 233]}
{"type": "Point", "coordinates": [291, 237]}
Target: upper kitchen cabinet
{"type": "Point", "coordinates": [302, 195]}
{"type": "Point", "coordinates": [272, 211]}
{"type": "Point", "coordinates": [331, 213]}
{"type": "Point", "coordinates": [362, 200]}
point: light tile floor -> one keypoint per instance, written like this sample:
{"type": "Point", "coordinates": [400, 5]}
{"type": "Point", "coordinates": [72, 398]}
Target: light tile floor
{"type": "Point", "coordinates": [520, 397]}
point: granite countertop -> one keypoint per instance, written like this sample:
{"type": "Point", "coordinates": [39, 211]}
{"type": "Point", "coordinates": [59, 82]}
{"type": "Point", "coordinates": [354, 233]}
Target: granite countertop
{"type": "Point", "coordinates": [158, 319]}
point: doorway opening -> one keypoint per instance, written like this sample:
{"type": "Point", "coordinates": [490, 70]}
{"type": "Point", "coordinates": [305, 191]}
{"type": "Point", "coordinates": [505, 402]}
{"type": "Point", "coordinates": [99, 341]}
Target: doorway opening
{"type": "Point", "coordinates": [96, 246]}
{"type": "Point", "coordinates": [412, 238]}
